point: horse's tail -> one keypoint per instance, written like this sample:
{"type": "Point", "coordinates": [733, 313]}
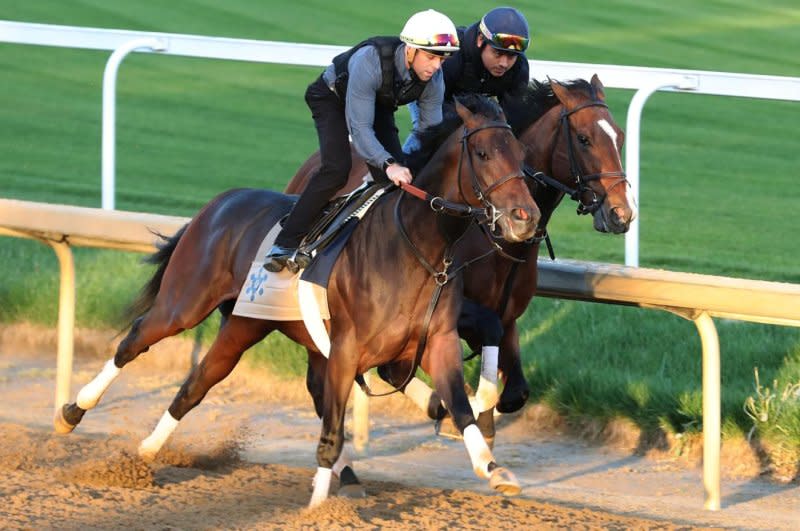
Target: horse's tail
{"type": "Point", "coordinates": [161, 257]}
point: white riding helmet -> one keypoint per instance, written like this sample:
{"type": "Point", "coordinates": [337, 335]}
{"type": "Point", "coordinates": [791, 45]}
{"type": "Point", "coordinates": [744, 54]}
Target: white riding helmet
{"type": "Point", "coordinates": [430, 31]}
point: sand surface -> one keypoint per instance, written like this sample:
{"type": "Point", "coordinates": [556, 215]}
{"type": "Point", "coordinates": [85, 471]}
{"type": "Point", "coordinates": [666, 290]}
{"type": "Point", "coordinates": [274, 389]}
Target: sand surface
{"type": "Point", "coordinates": [244, 459]}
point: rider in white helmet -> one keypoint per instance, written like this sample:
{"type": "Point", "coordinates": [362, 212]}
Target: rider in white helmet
{"type": "Point", "coordinates": [357, 95]}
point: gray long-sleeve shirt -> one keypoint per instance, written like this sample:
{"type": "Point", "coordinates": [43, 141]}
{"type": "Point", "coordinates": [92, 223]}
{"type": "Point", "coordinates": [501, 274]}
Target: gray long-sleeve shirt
{"type": "Point", "coordinates": [363, 84]}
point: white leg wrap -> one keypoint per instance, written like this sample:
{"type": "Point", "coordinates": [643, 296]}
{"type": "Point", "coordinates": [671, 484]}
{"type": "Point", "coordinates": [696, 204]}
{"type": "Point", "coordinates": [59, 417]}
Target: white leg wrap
{"type": "Point", "coordinates": [419, 393]}
{"type": "Point", "coordinates": [478, 450]}
{"type": "Point", "coordinates": [343, 461]}
{"type": "Point", "coordinates": [322, 484]}
{"type": "Point", "coordinates": [489, 357]}
{"type": "Point", "coordinates": [153, 443]}
{"type": "Point", "coordinates": [486, 396]}
{"type": "Point", "coordinates": [90, 395]}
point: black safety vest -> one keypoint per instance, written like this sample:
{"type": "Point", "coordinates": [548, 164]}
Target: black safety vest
{"type": "Point", "coordinates": [393, 92]}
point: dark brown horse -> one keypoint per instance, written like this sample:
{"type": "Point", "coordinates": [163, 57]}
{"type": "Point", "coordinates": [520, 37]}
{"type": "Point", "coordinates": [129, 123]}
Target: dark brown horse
{"type": "Point", "coordinates": [379, 292]}
{"type": "Point", "coordinates": [573, 147]}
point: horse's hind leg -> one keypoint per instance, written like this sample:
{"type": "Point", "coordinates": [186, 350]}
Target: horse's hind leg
{"type": "Point", "coordinates": [156, 324]}
{"type": "Point", "coordinates": [349, 484]}
{"type": "Point", "coordinates": [235, 336]}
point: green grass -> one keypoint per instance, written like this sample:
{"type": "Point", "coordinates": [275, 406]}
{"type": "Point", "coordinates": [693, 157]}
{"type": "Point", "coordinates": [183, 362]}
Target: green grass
{"type": "Point", "coordinates": [718, 186]}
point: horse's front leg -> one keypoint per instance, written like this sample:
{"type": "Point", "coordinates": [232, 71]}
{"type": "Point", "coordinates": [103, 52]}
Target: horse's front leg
{"type": "Point", "coordinates": [349, 484]}
{"type": "Point", "coordinates": [515, 390]}
{"type": "Point", "coordinates": [339, 378]}
{"type": "Point", "coordinates": [396, 374]}
{"type": "Point", "coordinates": [445, 367]}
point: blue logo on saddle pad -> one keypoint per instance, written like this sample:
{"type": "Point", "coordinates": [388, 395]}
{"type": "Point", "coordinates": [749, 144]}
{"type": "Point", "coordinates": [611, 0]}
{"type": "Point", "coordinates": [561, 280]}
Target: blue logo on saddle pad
{"type": "Point", "coordinates": [256, 286]}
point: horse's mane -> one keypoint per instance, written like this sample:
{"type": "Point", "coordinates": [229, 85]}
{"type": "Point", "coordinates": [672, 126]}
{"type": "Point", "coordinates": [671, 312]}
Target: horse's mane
{"type": "Point", "coordinates": [433, 137]}
{"type": "Point", "coordinates": [537, 100]}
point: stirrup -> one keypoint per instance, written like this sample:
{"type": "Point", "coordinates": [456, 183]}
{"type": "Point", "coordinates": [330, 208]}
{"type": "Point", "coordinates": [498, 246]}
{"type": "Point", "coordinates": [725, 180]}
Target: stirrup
{"type": "Point", "coordinates": [286, 257]}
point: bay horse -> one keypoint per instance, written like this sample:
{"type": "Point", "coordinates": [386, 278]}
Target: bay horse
{"type": "Point", "coordinates": [393, 289]}
{"type": "Point", "coordinates": [573, 147]}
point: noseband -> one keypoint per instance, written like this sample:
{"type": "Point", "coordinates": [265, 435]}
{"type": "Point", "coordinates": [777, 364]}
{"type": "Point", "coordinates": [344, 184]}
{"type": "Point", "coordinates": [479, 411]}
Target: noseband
{"type": "Point", "coordinates": [582, 188]}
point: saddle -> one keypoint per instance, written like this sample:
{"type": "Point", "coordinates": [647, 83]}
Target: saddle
{"type": "Point", "coordinates": [333, 228]}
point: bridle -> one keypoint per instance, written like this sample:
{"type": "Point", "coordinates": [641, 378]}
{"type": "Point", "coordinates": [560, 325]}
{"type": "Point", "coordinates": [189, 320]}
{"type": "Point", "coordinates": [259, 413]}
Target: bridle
{"type": "Point", "coordinates": [492, 214]}
{"type": "Point", "coordinates": [582, 189]}
{"type": "Point", "coordinates": [489, 214]}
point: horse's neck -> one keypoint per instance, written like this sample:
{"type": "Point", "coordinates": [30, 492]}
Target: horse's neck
{"type": "Point", "coordinates": [543, 140]}
{"type": "Point", "coordinates": [439, 178]}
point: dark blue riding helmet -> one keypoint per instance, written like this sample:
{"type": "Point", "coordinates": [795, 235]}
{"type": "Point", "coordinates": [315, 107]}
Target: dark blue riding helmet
{"type": "Point", "coordinates": [505, 29]}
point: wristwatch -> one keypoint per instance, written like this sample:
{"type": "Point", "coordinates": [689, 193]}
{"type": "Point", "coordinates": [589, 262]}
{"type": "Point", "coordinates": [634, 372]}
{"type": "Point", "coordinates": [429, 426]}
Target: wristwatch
{"type": "Point", "coordinates": [388, 162]}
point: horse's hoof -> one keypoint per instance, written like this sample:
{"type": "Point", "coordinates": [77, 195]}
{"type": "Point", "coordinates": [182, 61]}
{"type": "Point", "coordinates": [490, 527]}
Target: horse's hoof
{"type": "Point", "coordinates": [503, 481]}
{"type": "Point", "coordinates": [60, 424]}
{"type": "Point", "coordinates": [147, 454]}
{"type": "Point", "coordinates": [446, 428]}
{"type": "Point", "coordinates": [512, 400]}
{"type": "Point", "coordinates": [353, 491]}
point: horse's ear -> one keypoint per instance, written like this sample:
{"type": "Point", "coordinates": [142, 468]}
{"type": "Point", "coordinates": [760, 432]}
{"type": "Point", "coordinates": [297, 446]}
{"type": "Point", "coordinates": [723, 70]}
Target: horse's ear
{"type": "Point", "coordinates": [598, 86]}
{"type": "Point", "coordinates": [561, 93]}
{"type": "Point", "coordinates": [464, 113]}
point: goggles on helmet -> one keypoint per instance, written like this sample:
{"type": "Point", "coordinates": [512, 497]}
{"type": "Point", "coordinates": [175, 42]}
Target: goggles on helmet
{"type": "Point", "coordinates": [440, 39]}
{"type": "Point", "coordinates": [441, 44]}
{"type": "Point", "coordinates": [505, 41]}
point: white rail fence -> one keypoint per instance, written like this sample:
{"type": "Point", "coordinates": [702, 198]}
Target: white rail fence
{"type": "Point", "coordinates": [645, 81]}
{"type": "Point", "coordinates": [696, 297]}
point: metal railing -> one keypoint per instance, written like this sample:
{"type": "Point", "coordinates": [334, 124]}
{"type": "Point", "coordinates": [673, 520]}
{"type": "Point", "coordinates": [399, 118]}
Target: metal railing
{"type": "Point", "coordinates": [645, 81]}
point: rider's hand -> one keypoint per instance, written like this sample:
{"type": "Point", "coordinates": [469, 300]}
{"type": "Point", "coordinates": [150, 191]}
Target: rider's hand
{"type": "Point", "coordinates": [398, 174]}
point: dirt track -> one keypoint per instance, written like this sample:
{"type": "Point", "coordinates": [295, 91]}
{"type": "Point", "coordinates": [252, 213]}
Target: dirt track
{"type": "Point", "coordinates": [245, 458]}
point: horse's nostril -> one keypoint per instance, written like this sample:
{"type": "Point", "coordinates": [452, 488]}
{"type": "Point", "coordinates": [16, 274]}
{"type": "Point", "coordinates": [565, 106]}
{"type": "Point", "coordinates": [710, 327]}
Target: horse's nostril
{"type": "Point", "coordinates": [521, 213]}
{"type": "Point", "coordinates": [620, 215]}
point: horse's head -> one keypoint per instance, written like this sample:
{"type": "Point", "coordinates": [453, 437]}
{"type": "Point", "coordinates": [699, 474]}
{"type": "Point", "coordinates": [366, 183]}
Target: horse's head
{"type": "Point", "coordinates": [490, 171]}
{"type": "Point", "coordinates": [584, 153]}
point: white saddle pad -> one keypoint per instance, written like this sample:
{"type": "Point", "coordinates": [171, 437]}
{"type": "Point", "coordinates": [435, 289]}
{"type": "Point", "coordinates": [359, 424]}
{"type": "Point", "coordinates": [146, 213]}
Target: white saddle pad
{"type": "Point", "coordinates": [274, 296]}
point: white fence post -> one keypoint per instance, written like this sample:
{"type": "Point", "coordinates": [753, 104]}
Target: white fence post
{"type": "Point", "coordinates": [109, 111]}
{"type": "Point", "coordinates": [632, 149]}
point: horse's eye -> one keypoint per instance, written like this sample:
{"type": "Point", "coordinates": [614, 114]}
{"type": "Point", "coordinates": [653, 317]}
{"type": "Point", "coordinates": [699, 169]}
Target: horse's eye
{"type": "Point", "coordinates": [482, 154]}
{"type": "Point", "coordinates": [583, 139]}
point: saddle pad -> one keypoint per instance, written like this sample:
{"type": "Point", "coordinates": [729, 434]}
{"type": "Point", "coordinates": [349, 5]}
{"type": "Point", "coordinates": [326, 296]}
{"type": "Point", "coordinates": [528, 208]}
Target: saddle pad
{"type": "Point", "coordinates": [273, 296]}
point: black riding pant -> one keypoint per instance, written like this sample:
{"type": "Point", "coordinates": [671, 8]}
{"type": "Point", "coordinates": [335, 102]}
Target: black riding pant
{"type": "Point", "coordinates": [327, 110]}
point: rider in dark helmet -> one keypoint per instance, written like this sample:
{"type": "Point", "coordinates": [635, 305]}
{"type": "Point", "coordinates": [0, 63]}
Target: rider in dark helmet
{"type": "Point", "coordinates": [491, 61]}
